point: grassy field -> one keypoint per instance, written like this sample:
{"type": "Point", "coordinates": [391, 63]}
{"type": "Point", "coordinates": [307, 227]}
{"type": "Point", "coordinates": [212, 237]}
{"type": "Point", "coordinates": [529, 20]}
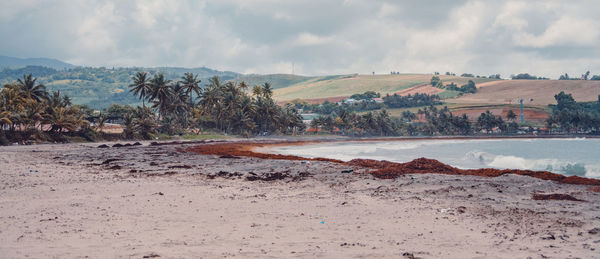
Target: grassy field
{"type": "Point", "coordinates": [541, 91]}
{"type": "Point", "coordinates": [335, 86]}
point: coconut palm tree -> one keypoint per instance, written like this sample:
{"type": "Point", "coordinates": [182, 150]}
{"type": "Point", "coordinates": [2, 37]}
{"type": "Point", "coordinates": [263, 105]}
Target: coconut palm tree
{"type": "Point", "coordinates": [160, 93]}
{"type": "Point", "coordinates": [141, 86]}
{"type": "Point", "coordinates": [101, 122]}
{"type": "Point", "coordinates": [30, 89]}
{"type": "Point", "coordinates": [65, 118]}
{"type": "Point", "coordinates": [4, 119]}
{"type": "Point", "coordinates": [267, 91]}
{"type": "Point", "coordinates": [191, 84]}
{"type": "Point", "coordinates": [256, 90]}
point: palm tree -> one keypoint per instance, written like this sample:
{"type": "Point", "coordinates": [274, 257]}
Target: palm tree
{"type": "Point", "coordinates": [128, 125]}
{"type": "Point", "coordinates": [267, 91]}
{"type": "Point", "coordinates": [190, 84]}
{"type": "Point", "coordinates": [64, 118]}
{"type": "Point", "coordinates": [256, 90]}
{"type": "Point", "coordinates": [31, 90]}
{"type": "Point", "coordinates": [101, 123]}
{"type": "Point", "coordinates": [145, 127]}
{"type": "Point", "coordinates": [140, 86]}
{"type": "Point", "coordinates": [4, 119]}
{"type": "Point", "coordinates": [161, 93]}
{"type": "Point", "coordinates": [511, 116]}
{"type": "Point", "coordinates": [244, 87]}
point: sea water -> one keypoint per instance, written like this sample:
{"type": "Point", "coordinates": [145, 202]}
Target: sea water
{"type": "Point", "coordinates": [577, 156]}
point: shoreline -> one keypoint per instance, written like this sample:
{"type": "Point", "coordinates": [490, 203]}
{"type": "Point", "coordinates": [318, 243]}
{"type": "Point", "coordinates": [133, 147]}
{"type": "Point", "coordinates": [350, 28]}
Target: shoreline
{"type": "Point", "coordinates": [380, 168]}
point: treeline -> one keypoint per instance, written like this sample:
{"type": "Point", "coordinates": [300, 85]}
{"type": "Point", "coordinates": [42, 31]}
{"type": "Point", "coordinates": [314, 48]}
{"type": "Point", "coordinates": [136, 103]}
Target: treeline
{"type": "Point", "coordinates": [416, 100]}
{"type": "Point", "coordinates": [365, 102]}
{"type": "Point", "coordinates": [227, 107]}
{"type": "Point", "coordinates": [570, 116]}
{"type": "Point", "coordinates": [470, 87]}
{"type": "Point", "coordinates": [328, 107]}
{"type": "Point", "coordinates": [584, 76]}
{"type": "Point", "coordinates": [29, 112]}
{"type": "Point", "coordinates": [429, 121]}
{"type": "Point", "coordinates": [98, 87]}
{"type": "Point", "coordinates": [526, 76]}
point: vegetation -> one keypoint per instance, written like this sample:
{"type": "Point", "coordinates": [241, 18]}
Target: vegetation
{"type": "Point", "coordinates": [397, 101]}
{"type": "Point", "coordinates": [527, 76]}
{"type": "Point", "coordinates": [470, 87]}
{"type": "Point", "coordinates": [573, 117]}
{"type": "Point", "coordinates": [100, 87]}
{"type": "Point", "coordinates": [29, 112]}
{"type": "Point", "coordinates": [365, 102]}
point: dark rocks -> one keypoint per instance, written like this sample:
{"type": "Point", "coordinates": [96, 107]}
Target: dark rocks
{"type": "Point", "coordinates": [594, 231]}
{"type": "Point", "coordinates": [229, 156]}
{"type": "Point", "coordinates": [555, 196]}
{"type": "Point", "coordinates": [108, 161]}
{"type": "Point", "coordinates": [347, 171]}
{"type": "Point", "coordinates": [180, 166]}
{"type": "Point", "coordinates": [103, 146]}
{"type": "Point", "coordinates": [117, 145]}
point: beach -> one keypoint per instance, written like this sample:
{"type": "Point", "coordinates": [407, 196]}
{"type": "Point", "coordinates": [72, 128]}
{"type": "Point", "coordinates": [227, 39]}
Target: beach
{"type": "Point", "coordinates": [81, 201]}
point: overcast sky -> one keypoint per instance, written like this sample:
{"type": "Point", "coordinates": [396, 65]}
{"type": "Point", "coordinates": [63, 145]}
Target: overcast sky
{"type": "Point", "coordinates": [319, 37]}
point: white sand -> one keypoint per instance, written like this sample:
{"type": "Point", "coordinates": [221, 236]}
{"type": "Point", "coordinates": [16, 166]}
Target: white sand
{"type": "Point", "coordinates": [72, 206]}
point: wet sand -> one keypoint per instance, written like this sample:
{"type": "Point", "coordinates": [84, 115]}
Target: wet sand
{"type": "Point", "coordinates": [77, 200]}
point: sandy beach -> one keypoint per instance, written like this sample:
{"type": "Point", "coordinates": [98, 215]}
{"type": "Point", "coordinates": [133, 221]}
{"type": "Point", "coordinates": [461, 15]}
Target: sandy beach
{"type": "Point", "coordinates": [81, 201]}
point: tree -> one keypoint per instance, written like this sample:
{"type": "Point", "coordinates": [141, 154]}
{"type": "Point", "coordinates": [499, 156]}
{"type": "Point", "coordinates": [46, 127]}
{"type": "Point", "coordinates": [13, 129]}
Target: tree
{"type": "Point", "coordinates": [435, 81]}
{"type": "Point", "coordinates": [511, 116]}
{"type": "Point", "coordinates": [564, 101]}
{"type": "Point", "coordinates": [101, 122]}
{"type": "Point", "coordinates": [160, 93]}
{"type": "Point", "coordinates": [140, 86]}
{"type": "Point", "coordinates": [266, 90]}
{"type": "Point", "coordinates": [586, 75]}
{"type": "Point", "coordinates": [469, 87]}
{"type": "Point", "coordinates": [191, 84]}
{"type": "Point", "coordinates": [30, 89]}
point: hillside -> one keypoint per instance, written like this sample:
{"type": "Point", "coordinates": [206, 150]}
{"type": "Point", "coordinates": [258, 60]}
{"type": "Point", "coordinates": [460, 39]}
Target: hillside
{"type": "Point", "coordinates": [12, 62]}
{"type": "Point", "coordinates": [541, 91]}
{"type": "Point", "coordinates": [337, 86]}
{"type": "Point", "coordinates": [100, 87]}
{"type": "Point", "coordinates": [276, 80]}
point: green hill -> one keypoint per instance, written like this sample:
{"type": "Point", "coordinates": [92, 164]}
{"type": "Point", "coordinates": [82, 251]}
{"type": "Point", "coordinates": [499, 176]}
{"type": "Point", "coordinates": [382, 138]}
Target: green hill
{"type": "Point", "coordinates": [98, 87]}
{"type": "Point", "coordinates": [12, 62]}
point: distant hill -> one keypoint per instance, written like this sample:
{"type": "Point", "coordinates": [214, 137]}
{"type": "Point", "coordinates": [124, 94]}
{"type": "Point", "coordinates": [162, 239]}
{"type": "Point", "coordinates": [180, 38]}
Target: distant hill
{"type": "Point", "coordinates": [12, 62]}
{"type": "Point", "coordinates": [346, 85]}
{"type": "Point", "coordinates": [98, 87]}
{"type": "Point", "coordinates": [276, 80]}
{"type": "Point", "coordinates": [541, 91]}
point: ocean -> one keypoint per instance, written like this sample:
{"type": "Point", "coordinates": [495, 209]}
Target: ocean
{"type": "Point", "coordinates": [576, 156]}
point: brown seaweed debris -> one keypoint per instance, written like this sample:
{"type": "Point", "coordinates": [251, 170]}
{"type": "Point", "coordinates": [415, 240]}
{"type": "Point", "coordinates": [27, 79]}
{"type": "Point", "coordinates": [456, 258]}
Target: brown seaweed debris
{"type": "Point", "coordinates": [555, 196]}
{"type": "Point", "coordinates": [245, 149]}
{"type": "Point", "coordinates": [385, 169]}
{"type": "Point", "coordinates": [595, 189]}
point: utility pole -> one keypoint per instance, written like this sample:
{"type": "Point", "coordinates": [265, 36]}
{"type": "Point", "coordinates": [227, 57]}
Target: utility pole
{"type": "Point", "coordinates": [521, 101]}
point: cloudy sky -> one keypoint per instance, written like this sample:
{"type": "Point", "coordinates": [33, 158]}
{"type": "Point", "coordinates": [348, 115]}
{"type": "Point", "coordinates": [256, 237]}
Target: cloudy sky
{"type": "Point", "coordinates": [317, 36]}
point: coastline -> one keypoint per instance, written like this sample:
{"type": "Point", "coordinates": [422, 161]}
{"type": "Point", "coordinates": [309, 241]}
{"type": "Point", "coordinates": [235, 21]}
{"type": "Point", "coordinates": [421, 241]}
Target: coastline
{"type": "Point", "coordinates": [381, 169]}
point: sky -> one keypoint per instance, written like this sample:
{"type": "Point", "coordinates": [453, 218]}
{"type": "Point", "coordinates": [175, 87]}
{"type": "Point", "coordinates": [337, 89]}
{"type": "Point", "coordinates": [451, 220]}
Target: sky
{"type": "Point", "coordinates": [311, 37]}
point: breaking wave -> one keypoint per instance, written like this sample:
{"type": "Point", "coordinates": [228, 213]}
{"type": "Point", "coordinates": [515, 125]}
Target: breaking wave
{"type": "Point", "coordinates": [484, 159]}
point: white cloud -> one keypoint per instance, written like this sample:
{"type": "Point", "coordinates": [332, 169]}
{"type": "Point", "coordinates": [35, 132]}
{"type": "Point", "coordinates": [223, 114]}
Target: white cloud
{"type": "Point", "coordinates": [565, 31]}
{"type": "Point", "coordinates": [319, 37]}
